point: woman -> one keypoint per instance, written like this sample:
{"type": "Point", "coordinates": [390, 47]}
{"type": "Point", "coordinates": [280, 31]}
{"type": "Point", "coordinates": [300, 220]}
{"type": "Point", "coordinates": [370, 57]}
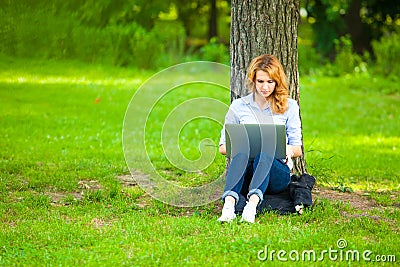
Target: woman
{"type": "Point", "coordinates": [268, 102]}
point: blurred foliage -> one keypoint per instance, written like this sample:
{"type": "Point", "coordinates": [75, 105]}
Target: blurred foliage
{"type": "Point", "coordinates": [346, 60]}
{"type": "Point", "coordinates": [72, 30]}
{"type": "Point", "coordinates": [364, 20]}
{"type": "Point", "coordinates": [134, 45]}
{"type": "Point", "coordinates": [309, 59]}
{"type": "Point", "coordinates": [215, 51]}
{"type": "Point", "coordinates": [145, 34]}
{"type": "Point", "coordinates": [100, 13]}
{"type": "Point", "coordinates": [327, 21]}
{"type": "Point", "coordinates": [387, 52]}
{"type": "Point", "coordinates": [344, 35]}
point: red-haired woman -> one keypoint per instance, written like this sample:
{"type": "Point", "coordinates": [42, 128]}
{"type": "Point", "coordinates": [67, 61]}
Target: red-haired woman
{"type": "Point", "coordinates": [268, 102]}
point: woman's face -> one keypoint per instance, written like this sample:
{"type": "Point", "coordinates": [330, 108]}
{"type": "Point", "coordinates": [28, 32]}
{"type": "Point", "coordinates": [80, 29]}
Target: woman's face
{"type": "Point", "coordinates": [264, 84]}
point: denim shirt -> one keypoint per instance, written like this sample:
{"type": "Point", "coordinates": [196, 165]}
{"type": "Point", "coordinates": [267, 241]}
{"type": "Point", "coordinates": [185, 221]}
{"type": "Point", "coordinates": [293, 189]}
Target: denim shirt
{"type": "Point", "coordinates": [245, 110]}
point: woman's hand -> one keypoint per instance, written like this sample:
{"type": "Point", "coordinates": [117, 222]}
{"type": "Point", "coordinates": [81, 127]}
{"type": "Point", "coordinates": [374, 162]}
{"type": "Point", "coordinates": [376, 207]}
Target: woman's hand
{"type": "Point", "coordinates": [289, 152]}
{"type": "Point", "coordinates": [293, 152]}
{"type": "Point", "coordinates": [222, 149]}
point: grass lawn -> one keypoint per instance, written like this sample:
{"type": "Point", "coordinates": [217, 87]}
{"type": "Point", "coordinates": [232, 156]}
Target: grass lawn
{"type": "Point", "coordinates": [66, 198]}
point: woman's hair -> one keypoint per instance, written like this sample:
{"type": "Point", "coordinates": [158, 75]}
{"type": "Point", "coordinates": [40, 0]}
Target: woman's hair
{"type": "Point", "coordinates": [271, 65]}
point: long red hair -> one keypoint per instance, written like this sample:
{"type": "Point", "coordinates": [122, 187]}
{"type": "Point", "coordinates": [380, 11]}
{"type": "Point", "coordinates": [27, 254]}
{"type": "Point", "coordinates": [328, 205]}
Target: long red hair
{"type": "Point", "coordinates": [271, 65]}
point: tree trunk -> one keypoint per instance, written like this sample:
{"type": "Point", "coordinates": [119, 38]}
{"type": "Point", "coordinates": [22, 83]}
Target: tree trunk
{"type": "Point", "coordinates": [265, 27]}
{"type": "Point", "coordinates": [212, 27]}
{"type": "Point", "coordinates": [360, 32]}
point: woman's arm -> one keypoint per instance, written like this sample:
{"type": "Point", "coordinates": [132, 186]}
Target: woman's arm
{"type": "Point", "coordinates": [293, 131]}
{"type": "Point", "coordinates": [230, 117]}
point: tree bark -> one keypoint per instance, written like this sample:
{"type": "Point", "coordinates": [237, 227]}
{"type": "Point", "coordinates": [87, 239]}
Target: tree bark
{"type": "Point", "coordinates": [265, 27]}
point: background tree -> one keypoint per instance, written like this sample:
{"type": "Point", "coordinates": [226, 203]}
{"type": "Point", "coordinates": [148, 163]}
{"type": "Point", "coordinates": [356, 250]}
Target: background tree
{"type": "Point", "coordinates": [190, 13]}
{"type": "Point", "coordinates": [212, 22]}
{"type": "Point", "coordinates": [260, 27]}
{"type": "Point", "coordinates": [198, 13]}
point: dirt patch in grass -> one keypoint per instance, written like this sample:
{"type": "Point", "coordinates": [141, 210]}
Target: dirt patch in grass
{"type": "Point", "coordinates": [361, 202]}
{"type": "Point", "coordinates": [127, 180]}
{"type": "Point", "coordinates": [358, 200]}
{"type": "Point", "coordinates": [89, 184]}
{"type": "Point", "coordinates": [59, 198]}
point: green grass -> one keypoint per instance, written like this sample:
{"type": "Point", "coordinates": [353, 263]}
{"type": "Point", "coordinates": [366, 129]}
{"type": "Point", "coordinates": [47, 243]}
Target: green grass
{"type": "Point", "coordinates": [351, 131]}
{"type": "Point", "coordinates": [61, 125]}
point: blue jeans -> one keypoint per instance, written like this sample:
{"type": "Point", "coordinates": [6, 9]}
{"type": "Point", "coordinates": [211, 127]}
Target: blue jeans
{"type": "Point", "coordinates": [268, 174]}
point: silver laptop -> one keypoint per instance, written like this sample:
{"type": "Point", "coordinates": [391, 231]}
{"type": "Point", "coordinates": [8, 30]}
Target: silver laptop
{"type": "Point", "coordinates": [254, 138]}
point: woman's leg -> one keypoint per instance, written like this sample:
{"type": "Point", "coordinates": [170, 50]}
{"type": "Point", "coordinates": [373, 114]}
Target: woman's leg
{"type": "Point", "coordinates": [279, 177]}
{"type": "Point", "coordinates": [235, 176]}
{"type": "Point", "coordinates": [234, 182]}
{"type": "Point", "coordinates": [268, 173]}
{"type": "Point", "coordinates": [261, 175]}
{"type": "Point", "coordinates": [259, 182]}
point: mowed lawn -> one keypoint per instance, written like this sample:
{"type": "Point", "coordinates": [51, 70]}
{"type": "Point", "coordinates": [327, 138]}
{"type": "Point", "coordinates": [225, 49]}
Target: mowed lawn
{"type": "Point", "coordinates": [62, 201]}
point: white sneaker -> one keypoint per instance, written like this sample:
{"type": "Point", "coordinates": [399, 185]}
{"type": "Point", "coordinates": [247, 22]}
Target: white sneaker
{"type": "Point", "coordinates": [249, 213]}
{"type": "Point", "coordinates": [228, 213]}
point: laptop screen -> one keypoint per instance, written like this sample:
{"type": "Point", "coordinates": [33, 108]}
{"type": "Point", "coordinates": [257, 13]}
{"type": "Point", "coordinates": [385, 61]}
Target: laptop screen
{"type": "Point", "coordinates": [252, 139]}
